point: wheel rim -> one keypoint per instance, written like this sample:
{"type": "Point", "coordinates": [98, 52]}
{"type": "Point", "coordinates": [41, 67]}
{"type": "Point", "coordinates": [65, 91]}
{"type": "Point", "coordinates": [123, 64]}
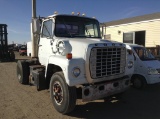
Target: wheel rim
{"type": "Point", "coordinates": [137, 83]}
{"type": "Point", "coordinates": [57, 93]}
{"type": "Point", "coordinates": [19, 77]}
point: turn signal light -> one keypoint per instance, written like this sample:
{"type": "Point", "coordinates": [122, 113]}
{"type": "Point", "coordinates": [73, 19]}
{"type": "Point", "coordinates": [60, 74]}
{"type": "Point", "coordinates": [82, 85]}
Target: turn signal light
{"type": "Point", "coordinates": [69, 56]}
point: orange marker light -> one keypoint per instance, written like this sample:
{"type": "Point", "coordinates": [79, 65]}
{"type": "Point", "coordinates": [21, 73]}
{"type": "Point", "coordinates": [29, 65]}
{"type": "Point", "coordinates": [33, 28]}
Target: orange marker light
{"type": "Point", "coordinates": [69, 56]}
{"type": "Point", "coordinates": [78, 13]}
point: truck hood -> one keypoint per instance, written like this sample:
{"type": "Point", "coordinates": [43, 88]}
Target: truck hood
{"type": "Point", "coordinates": [78, 46]}
{"type": "Point", "coordinates": [152, 63]}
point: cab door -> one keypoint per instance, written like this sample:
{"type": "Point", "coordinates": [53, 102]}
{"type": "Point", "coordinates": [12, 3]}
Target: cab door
{"type": "Point", "coordinates": [45, 41]}
{"type": "Point", "coordinates": [138, 63]}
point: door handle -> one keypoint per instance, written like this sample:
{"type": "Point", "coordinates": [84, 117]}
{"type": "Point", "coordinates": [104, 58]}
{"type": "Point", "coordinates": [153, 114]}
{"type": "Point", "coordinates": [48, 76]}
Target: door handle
{"type": "Point", "coordinates": [39, 45]}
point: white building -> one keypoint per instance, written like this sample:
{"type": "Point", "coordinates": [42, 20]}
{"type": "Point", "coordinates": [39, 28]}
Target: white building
{"type": "Point", "coordinates": [143, 30]}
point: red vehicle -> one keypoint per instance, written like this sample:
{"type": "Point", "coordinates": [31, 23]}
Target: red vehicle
{"type": "Point", "coordinates": [23, 51]}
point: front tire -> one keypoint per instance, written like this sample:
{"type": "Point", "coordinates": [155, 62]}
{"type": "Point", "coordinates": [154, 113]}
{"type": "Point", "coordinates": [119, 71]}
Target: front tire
{"type": "Point", "coordinates": [63, 96]}
{"type": "Point", "coordinates": [138, 82]}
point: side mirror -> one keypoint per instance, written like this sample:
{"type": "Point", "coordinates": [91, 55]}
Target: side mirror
{"type": "Point", "coordinates": [134, 57]}
{"type": "Point", "coordinates": [35, 26]}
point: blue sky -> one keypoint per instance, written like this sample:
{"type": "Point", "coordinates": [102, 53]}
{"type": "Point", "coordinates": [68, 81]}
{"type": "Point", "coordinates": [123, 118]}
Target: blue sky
{"type": "Point", "coordinates": [17, 13]}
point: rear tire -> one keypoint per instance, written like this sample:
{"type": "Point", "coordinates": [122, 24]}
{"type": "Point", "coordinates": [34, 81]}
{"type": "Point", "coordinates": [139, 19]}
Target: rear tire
{"type": "Point", "coordinates": [63, 96]}
{"type": "Point", "coordinates": [23, 72]}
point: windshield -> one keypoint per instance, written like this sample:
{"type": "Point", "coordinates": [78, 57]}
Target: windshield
{"type": "Point", "coordinates": [73, 26]}
{"type": "Point", "coordinates": [143, 53]}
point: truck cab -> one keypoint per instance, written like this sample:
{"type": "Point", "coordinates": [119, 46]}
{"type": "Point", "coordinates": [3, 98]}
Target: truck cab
{"type": "Point", "coordinates": [23, 50]}
{"type": "Point", "coordinates": [147, 67]}
{"type": "Point", "coordinates": [72, 56]}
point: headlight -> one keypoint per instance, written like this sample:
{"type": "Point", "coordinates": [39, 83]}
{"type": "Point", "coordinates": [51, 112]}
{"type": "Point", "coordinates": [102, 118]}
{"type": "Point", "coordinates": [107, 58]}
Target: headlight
{"type": "Point", "coordinates": [130, 64]}
{"type": "Point", "coordinates": [76, 71]}
{"type": "Point", "coordinates": [152, 71]}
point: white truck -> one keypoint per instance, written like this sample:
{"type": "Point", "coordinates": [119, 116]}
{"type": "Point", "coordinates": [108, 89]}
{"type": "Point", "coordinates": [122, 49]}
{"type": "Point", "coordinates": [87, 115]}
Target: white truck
{"type": "Point", "coordinates": [72, 57]}
{"type": "Point", "coordinates": [146, 67]}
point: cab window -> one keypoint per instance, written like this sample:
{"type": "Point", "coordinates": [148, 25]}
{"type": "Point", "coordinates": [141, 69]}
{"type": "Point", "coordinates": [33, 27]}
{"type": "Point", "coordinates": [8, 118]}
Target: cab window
{"type": "Point", "coordinates": [143, 53]}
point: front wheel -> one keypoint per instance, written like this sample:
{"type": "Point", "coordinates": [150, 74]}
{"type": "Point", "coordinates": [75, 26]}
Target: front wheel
{"type": "Point", "coordinates": [138, 82]}
{"type": "Point", "coordinates": [63, 96]}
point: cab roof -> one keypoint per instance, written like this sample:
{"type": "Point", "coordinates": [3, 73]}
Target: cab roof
{"type": "Point", "coordinates": [134, 45]}
{"type": "Point", "coordinates": [54, 15]}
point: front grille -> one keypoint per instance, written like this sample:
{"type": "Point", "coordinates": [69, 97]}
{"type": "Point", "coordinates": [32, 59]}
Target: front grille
{"type": "Point", "coordinates": [107, 61]}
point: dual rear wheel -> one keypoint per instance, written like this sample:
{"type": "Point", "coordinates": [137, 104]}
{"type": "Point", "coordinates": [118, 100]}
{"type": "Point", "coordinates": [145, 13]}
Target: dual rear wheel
{"type": "Point", "coordinates": [23, 72]}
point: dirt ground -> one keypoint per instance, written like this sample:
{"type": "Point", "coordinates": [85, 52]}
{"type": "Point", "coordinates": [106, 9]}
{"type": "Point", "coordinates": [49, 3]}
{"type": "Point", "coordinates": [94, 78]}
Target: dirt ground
{"type": "Point", "coordinates": [25, 102]}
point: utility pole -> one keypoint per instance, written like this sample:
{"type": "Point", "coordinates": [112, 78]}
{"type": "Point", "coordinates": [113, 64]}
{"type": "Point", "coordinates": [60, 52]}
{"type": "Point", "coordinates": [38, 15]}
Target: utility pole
{"type": "Point", "coordinates": [34, 43]}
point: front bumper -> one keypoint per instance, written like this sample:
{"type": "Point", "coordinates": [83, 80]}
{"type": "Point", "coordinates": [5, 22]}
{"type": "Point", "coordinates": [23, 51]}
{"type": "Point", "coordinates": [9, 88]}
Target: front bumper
{"type": "Point", "coordinates": [105, 89]}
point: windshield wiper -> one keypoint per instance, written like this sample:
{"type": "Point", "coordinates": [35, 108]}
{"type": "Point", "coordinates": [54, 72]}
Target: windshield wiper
{"type": "Point", "coordinates": [79, 36]}
{"type": "Point", "coordinates": [87, 31]}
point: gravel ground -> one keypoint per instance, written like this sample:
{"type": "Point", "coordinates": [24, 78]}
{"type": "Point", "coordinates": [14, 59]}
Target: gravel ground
{"type": "Point", "coordinates": [19, 101]}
